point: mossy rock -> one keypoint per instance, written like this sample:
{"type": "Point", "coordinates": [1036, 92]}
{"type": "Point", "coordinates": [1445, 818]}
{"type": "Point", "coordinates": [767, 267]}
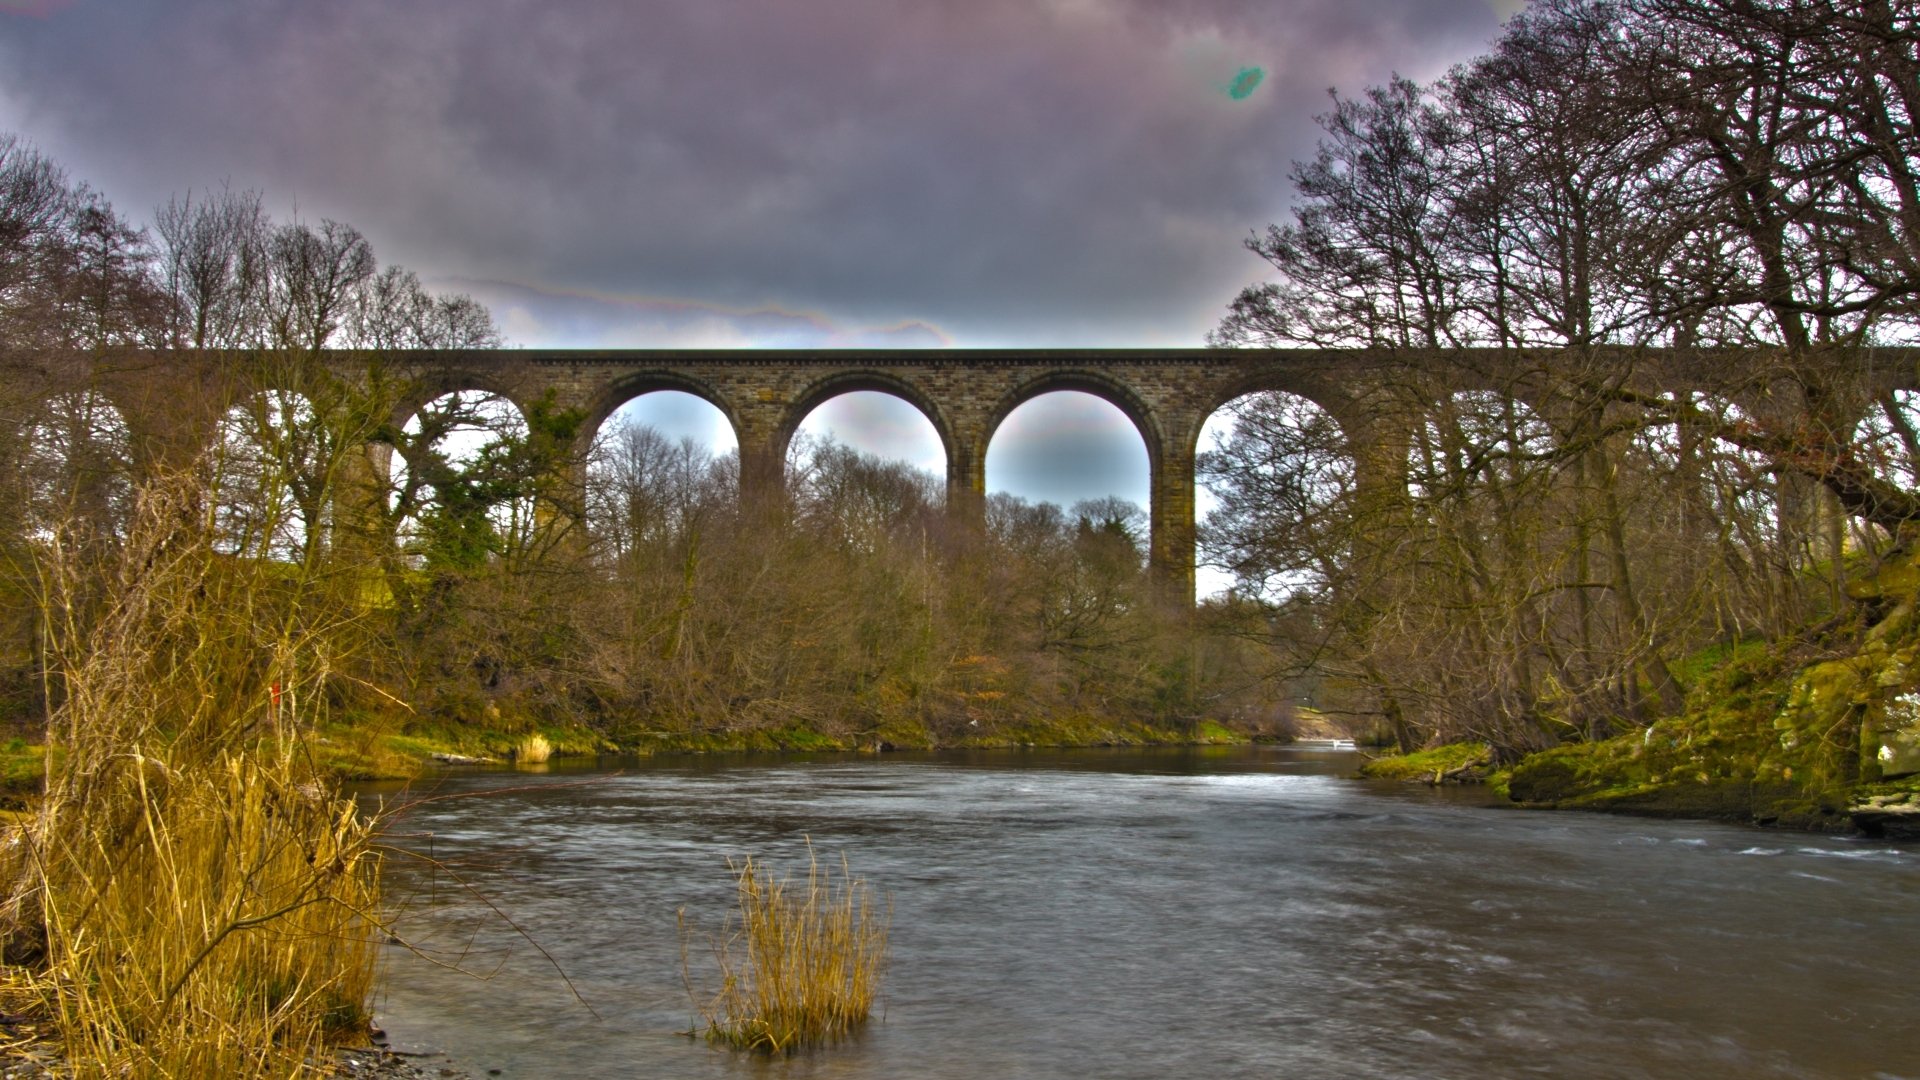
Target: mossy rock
{"type": "Point", "coordinates": [1896, 578]}
{"type": "Point", "coordinates": [1728, 799]}
{"type": "Point", "coordinates": [1787, 732]}
{"type": "Point", "coordinates": [1546, 779]}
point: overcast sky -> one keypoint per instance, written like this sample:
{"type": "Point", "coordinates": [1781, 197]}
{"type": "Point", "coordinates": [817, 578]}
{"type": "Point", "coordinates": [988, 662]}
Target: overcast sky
{"type": "Point", "coordinates": [741, 172]}
{"type": "Point", "coordinates": [633, 173]}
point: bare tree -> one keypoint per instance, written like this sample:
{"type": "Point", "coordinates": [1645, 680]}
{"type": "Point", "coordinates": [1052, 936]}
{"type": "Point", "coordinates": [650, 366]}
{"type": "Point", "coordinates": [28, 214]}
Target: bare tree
{"type": "Point", "coordinates": [1364, 262]}
{"type": "Point", "coordinates": [315, 272]}
{"type": "Point", "coordinates": [213, 263]}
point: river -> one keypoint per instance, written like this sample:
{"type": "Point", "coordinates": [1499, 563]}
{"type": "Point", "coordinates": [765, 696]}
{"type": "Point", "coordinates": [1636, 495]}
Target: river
{"type": "Point", "coordinates": [1210, 913]}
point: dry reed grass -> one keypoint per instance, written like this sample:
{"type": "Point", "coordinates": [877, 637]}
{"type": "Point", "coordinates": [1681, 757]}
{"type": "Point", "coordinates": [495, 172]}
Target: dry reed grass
{"type": "Point", "coordinates": [190, 898]}
{"type": "Point", "coordinates": [812, 964]}
{"type": "Point", "coordinates": [534, 749]}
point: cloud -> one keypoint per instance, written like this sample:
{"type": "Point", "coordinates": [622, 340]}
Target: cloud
{"type": "Point", "coordinates": [882, 425]}
{"type": "Point", "coordinates": [1058, 173]}
{"type": "Point", "coordinates": [33, 9]}
{"type": "Point", "coordinates": [529, 315]}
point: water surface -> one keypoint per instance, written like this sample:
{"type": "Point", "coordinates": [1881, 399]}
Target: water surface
{"type": "Point", "coordinates": [1184, 913]}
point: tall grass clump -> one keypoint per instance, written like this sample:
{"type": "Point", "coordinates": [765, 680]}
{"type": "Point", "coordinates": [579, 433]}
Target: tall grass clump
{"type": "Point", "coordinates": [191, 898]}
{"type": "Point", "coordinates": [804, 964]}
{"type": "Point", "coordinates": [534, 749]}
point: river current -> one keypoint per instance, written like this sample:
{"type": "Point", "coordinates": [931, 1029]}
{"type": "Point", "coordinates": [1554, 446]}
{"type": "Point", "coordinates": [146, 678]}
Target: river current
{"type": "Point", "coordinates": [1212, 913]}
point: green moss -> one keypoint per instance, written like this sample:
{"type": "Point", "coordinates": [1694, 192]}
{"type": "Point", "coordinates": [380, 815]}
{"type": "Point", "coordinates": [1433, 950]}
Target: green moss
{"type": "Point", "coordinates": [1209, 731]}
{"type": "Point", "coordinates": [1067, 730]}
{"type": "Point", "coordinates": [1786, 733]}
{"type": "Point", "coordinates": [1428, 765]}
{"type": "Point", "coordinates": [1724, 656]}
{"type": "Point", "coordinates": [794, 737]}
{"type": "Point", "coordinates": [23, 771]}
{"type": "Point", "coordinates": [1892, 579]}
{"type": "Point", "coordinates": [899, 735]}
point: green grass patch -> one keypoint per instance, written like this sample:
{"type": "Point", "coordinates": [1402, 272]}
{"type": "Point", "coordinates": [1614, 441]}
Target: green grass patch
{"type": "Point", "coordinates": [23, 771]}
{"type": "Point", "coordinates": [1699, 665]}
{"type": "Point", "coordinates": [1211, 731]}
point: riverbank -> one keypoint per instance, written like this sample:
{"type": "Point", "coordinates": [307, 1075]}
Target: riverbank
{"type": "Point", "coordinates": [40, 1057]}
{"type": "Point", "coordinates": [1819, 731]}
{"type": "Point", "coordinates": [390, 748]}
{"type": "Point", "coordinates": [1682, 769]}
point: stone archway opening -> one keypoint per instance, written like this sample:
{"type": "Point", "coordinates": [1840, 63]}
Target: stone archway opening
{"type": "Point", "coordinates": [1474, 440]}
{"type": "Point", "coordinates": [1710, 483]}
{"type": "Point", "coordinates": [1069, 489]}
{"type": "Point", "coordinates": [76, 465]}
{"type": "Point", "coordinates": [270, 467]}
{"type": "Point", "coordinates": [1067, 447]}
{"type": "Point", "coordinates": [866, 463]}
{"type": "Point", "coordinates": [1275, 483]}
{"type": "Point", "coordinates": [661, 463]}
{"type": "Point", "coordinates": [876, 423]}
{"type": "Point", "coordinates": [456, 487]}
{"type": "Point", "coordinates": [676, 416]}
{"type": "Point", "coordinates": [1887, 440]}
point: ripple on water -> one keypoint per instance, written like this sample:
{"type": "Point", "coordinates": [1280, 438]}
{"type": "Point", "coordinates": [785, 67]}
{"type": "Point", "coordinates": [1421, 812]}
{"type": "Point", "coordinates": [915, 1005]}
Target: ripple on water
{"type": "Point", "coordinates": [1134, 915]}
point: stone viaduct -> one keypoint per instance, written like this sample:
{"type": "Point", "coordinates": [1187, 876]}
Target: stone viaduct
{"type": "Point", "coordinates": [964, 393]}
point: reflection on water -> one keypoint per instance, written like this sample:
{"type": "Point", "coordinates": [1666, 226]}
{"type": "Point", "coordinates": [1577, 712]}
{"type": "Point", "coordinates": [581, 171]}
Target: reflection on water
{"type": "Point", "coordinates": [1221, 913]}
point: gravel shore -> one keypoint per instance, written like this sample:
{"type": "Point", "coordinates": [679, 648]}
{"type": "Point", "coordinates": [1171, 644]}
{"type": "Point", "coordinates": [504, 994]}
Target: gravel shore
{"type": "Point", "coordinates": [379, 1063]}
{"type": "Point", "coordinates": [38, 1059]}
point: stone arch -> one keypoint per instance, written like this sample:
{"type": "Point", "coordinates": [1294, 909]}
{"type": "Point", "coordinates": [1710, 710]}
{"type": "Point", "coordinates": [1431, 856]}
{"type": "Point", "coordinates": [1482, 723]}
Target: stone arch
{"type": "Point", "coordinates": [847, 382]}
{"type": "Point", "coordinates": [1876, 435]}
{"type": "Point", "coordinates": [1335, 399]}
{"type": "Point", "coordinates": [639, 384]}
{"type": "Point", "coordinates": [1170, 547]}
{"type": "Point", "coordinates": [1456, 427]}
{"type": "Point", "coordinates": [393, 464]}
{"type": "Point", "coordinates": [1101, 385]}
{"type": "Point", "coordinates": [439, 382]}
{"type": "Point", "coordinates": [170, 409]}
{"type": "Point", "coordinates": [1314, 464]}
{"type": "Point", "coordinates": [265, 457]}
{"type": "Point", "coordinates": [74, 455]}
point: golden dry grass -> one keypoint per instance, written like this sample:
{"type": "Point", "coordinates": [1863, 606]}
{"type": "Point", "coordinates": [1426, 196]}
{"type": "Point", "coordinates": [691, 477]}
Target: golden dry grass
{"type": "Point", "coordinates": [804, 964]}
{"type": "Point", "coordinates": [190, 898]}
{"type": "Point", "coordinates": [209, 921]}
{"type": "Point", "coordinates": [533, 749]}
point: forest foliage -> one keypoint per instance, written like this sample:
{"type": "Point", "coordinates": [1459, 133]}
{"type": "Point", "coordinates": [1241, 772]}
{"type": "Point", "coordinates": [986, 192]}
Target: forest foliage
{"type": "Point", "coordinates": [1669, 245]}
{"type": "Point", "coordinates": [1685, 237]}
{"type": "Point", "coordinates": [512, 570]}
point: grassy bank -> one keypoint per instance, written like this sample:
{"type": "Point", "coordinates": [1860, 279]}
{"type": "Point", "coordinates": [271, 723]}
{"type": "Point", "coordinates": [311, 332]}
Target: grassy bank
{"type": "Point", "coordinates": [393, 748]}
{"type": "Point", "coordinates": [1454, 762]}
{"type": "Point", "coordinates": [398, 748]}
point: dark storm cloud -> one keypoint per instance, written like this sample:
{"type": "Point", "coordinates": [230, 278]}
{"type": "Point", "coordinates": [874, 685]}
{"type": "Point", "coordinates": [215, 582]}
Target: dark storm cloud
{"type": "Point", "coordinates": [994, 171]}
